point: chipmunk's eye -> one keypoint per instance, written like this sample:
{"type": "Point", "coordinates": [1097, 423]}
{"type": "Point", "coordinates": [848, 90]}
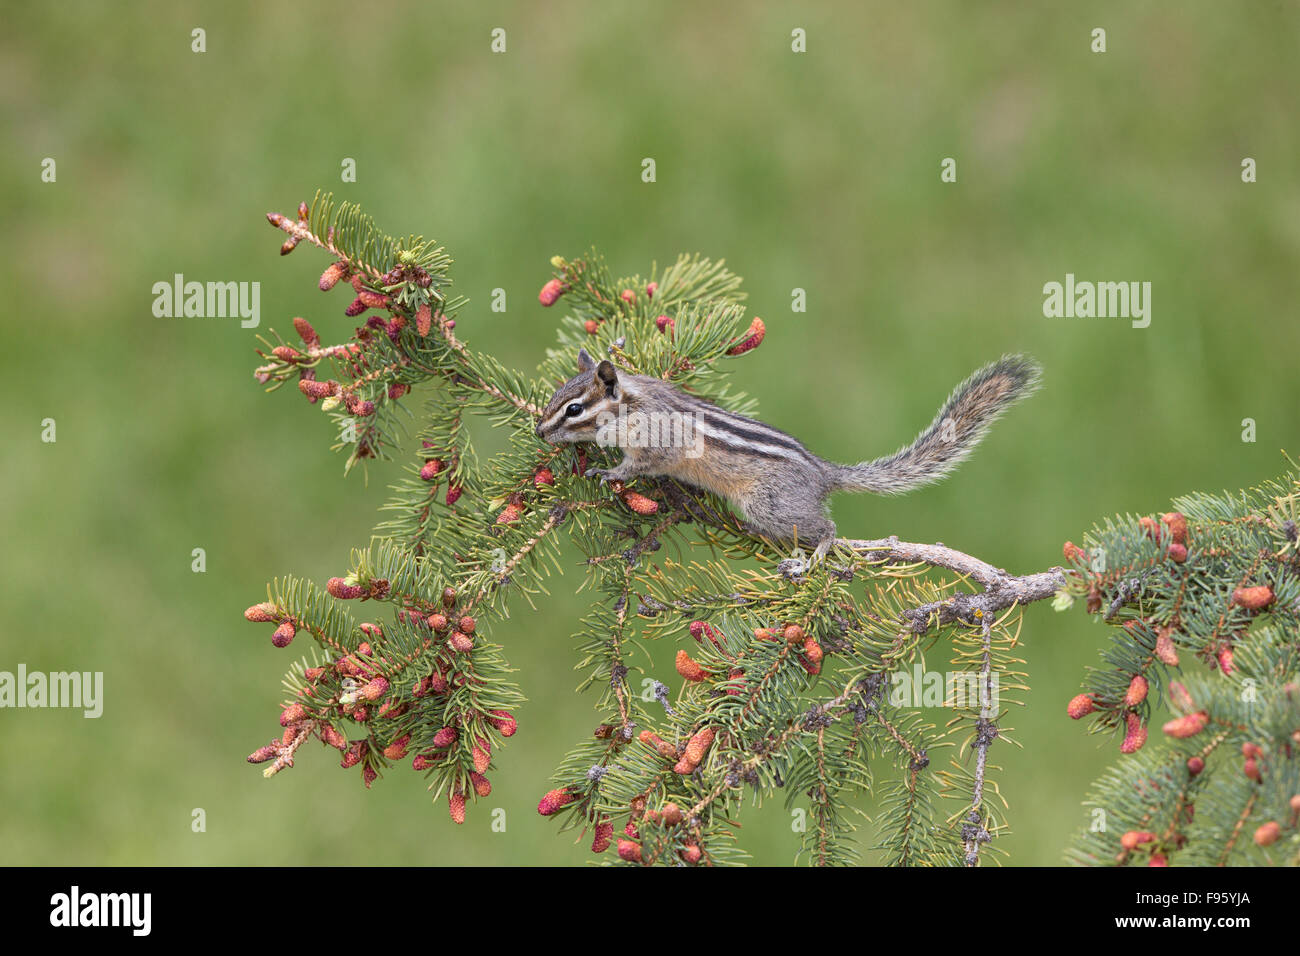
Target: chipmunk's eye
{"type": "Point", "coordinates": [574, 410]}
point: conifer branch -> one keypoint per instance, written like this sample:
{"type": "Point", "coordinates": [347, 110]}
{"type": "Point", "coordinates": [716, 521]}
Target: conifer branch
{"type": "Point", "coordinates": [792, 680]}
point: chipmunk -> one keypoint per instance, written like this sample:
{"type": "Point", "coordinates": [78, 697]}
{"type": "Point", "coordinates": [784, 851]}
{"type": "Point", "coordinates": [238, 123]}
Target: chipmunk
{"type": "Point", "coordinates": [778, 485]}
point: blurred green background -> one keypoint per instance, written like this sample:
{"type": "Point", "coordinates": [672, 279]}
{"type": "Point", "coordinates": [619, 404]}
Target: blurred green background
{"type": "Point", "coordinates": [817, 170]}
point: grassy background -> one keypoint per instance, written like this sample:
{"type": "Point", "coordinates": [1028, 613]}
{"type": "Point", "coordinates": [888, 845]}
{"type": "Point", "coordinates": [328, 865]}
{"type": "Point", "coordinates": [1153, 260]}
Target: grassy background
{"type": "Point", "coordinates": [818, 171]}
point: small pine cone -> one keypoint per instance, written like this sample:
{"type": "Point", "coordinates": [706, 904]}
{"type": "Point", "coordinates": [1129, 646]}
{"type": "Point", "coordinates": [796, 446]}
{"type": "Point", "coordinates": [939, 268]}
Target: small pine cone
{"type": "Point", "coordinates": [1268, 834]}
{"type": "Point", "coordinates": [628, 296]}
{"type": "Point", "coordinates": [1253, 599]}
{"type": "Point", "coordinates": [468, 624]}
{"type": "Point", "coordinates": [658, 744]}
{"type": "Point", "coordinates": [391, 709]}
{"type": "Point", "coordinates": [555, 800]}
{"type": "Point", "coordinates": [691, 854]}
{"type": "Point", "coordinates": [1135, 735]}
{"type": "Point", "coordinates": [752, 339]}
{"type": "Point", "coordinates": [736, 675]}
{"type": "Point", "coordinates": [397, 390]}
{"type": "Point", "coordinates": [699, 630]}
{"type": "Point", "coordinates": [456, 806]}
{"type": "Point", "coordinates": [264, 613]}
{"type": "Point", "coordinates": [317, 390]}
{"type": "Point", "coordinates": [1225, 659]}
{"type": "Point", "coordinates": [292, 714]}
{"type": "Point", "coordinates": [445, 737]}
{"type": "Point", "coordinates": [424, 320]}
{"type": "Point", "coordinates": [361, 408]}
{"type": "Point", "coordinates": [671, 814]}
{"type": "Point", "coordinates": [438, 683]}
{"type": "Point", "coordinates": [510, 514]}
{"type": "Point", "coordinates": [482, 786]}
{"type": "Point", "coordinates": [352, 756]}
{"type": "Point", "coordinates": [288, 246]}
{"type": "Point", "coordinates": [263, 754]}
{"type": "Point", "coordinates": [1151, 528]}
{"type": "Point", "coordinates": [369, 775]}
{"type": "Point", "coordinates": [334, 738]}
{"type": "Point", "coordinates": [813, 651]}
{"type": "Point", "coordinates": [303, 212]}
{"type": "Point", "coordinates": [698, 745]}
{"type": "Point", "coordinates": [504, 722]}
{"type": "Point", "coordinates": [340, 589]}
{"type": "Point", "coordinates": [604, 836]}
{"type": "Point", "coordinates": [1176, 521]}
{"type": "Point", "coordinates": [1251, 769]}
{"type": "Point", "coordinates": [1135, 838]}
{"type": "Point", "coordinates": [431, 469]}
{"type": "Point", "coordinates": [1158, 859]}
{"type": "Point", "coordinates": [1294, 804]}
{"type": "Point", "coordinates": [482, 755]}
{"type": "Point", "coordinates": [438, 622]}
{"type": "Point", "coordinates": [287, 353]}
{"type": "Point", "coordinates": [1195, 765]}
{"type": "Point", "coordinates": [630, 830]}
{"type": "Point", "coordinates": [1137, 691]}
{"type": "Point", "coordinates": [1181, 728]}
{"type": "Point", "coordinates": [314, 674]}
{"type": "Point", "coordinates": [358, 282]}
{"type": "Point", "coordinates": [639, 503]}
{"type": "Point", "coordinates": [650, 289]}
{"type": "Point", "coordinates": [373, 300]}
{"type": "Point", "coordinates": [448, 597]}
{"type": "Point", "coordinates": [603, 732]}
{"type": "Point", "coordinates": [1080, 706]}
{"type": "Point", "coordinates": [1074, 554]}
{"type": "Point", "coordinates": [355, 309]}
{"type": "Point", "coordinates": [551, 292]}
{"type": "Point", "coordinates": [543, 476]}
{"type": "Point", "coordinates": [283, 634]}
{"type": "Point", "coordinates": [376, 689]}
{"type": "Point", "coordinates": [629, 851]}
{"type": "Point", "coordinates": [397, 749]}
{"type": "Point", "coordinates": [306, 332]}
{"type": "Point", "coordinates": [763, 634]}
{"type": "Point", "coordinates": [332, 274]}
{"type": "Point", "coordinates": [1178, 552]}
{"type": "Point", "coordinates": [793, 634]}
{"type": "Point", "coordinates": [460, 643]}
{"type": "Point", "coordinates": [690, 669]}
{"type": "Point", "coordinates": [592, 326]}
{"type": "Point", "coordinates": [1165, 649]}
{"type": "Point", "coordinates": [1249, 749]}
{"type": "Point", "coordinates": [275, 219]}
{"type": "Point", "coordinates": [453, 494]}
{"type": "Point", "coordinates": [1094, 600]}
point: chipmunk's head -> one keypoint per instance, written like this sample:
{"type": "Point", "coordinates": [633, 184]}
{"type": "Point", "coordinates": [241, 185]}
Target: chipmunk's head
{"type": "Point", "coordinates": [581, 404]}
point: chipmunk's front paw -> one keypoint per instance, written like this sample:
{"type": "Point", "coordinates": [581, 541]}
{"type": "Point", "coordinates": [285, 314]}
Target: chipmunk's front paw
{"type": "Point", "coordinates": [604, 474]}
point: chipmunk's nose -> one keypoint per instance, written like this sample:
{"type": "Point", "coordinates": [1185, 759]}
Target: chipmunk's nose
{"type": "Point", "coordinates": [538, 430]}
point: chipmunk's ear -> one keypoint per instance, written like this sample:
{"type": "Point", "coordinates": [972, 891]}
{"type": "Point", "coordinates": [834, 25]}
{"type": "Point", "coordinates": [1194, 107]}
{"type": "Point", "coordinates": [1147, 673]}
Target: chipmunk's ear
{"type": "Point", "coordinates": [585, 362]}
{"type": "Point", "coordinates": [608, 377]}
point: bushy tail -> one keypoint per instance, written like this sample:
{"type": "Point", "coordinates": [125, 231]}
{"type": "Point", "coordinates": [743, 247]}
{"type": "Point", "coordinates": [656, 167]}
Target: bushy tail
{"type": "Point", "coordinates": [973, 406]}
